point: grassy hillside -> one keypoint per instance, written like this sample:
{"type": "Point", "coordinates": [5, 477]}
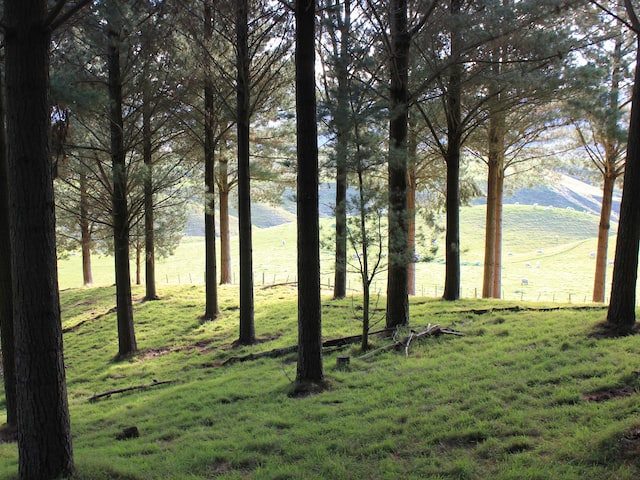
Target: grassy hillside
{"type": "Point", "coordinates": [551, 248]}
{"type": "Point", "coordinates": [524, 394]}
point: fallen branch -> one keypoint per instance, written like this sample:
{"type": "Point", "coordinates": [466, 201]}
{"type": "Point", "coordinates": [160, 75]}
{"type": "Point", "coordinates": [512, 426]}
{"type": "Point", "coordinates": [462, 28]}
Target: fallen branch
{"type": "Point", "coordinates": [108, 393]}
{"type": "Point", "coordinates": [274, 285]}
{"type": "Point", "coordinates": [279, 352]}
{"type": "Point", "coordinates": [517, 308]}
{"type": "Point", "coordinates": [431, 331]}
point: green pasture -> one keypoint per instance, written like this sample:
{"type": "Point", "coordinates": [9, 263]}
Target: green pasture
{"type": "Point", "coordinates": [551, 248]}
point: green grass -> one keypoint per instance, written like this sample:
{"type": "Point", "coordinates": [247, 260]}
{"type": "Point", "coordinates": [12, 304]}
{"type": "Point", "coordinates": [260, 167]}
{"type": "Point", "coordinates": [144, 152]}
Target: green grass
{"type": "Point", "coordinates": [505, 401]}
{"type": "Point", "coordinates": [551, 248]}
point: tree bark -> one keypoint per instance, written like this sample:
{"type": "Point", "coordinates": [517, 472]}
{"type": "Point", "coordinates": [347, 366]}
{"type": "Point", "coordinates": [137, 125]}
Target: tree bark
{"type": "Point", "coordinates": [622, 306]}
{"type": "Point", "coordinates": [211, 286]}
{"type": "Point", "coordinates": [412, 187]}
{"type": "Point", "coordinates": [610, 172]}
{"type": "Point", "coordinates": [247, 328]}
{"type": "Point", "coordinates": [454, 139]}
{"type": "Point", "coordinates": [126, 335]}
{"type": "Point", "coordinates": [44, 436]}
{"type": "Point", "coordinates": [6, 289]}
{"type": "Point", "coordinates": [495, 167]}
{"type": "Point", "coordinates": [604, 228]}
{"type": "Point", "coordinates": [225, 235]}
{"type": "Point", "coordinates": [309, 368]}
{"type": "Point", "coordinates": [149, 235]}
{"type": "Point", "coordinates": [497, 266]}
{"type": "Point", "coordinates": [343, 126]}
{"type": "Point", "coordinates": [85, 229]}
{"type": "Point", "coordinates": [397, 279]}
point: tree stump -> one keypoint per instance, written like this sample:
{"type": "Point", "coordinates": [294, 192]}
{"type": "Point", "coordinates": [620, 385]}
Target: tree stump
{"type": "Point", "coordinates": [342, 362]}
{"type": "Point", "coordinates": [129, 432]}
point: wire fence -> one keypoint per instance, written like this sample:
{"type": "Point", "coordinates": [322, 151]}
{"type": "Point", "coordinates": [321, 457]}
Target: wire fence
{"type": "Point", "coordinates": [524, 293]}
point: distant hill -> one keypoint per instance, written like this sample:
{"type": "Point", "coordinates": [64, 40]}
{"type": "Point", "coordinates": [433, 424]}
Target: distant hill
{"type": "Point", "coordinates": [566, 193]}
{"type": "Point", "coordinates": [262, 216]}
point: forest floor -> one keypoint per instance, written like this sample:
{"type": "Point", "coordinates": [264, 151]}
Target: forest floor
{"type": "Point", "coordinates": [529, 391]}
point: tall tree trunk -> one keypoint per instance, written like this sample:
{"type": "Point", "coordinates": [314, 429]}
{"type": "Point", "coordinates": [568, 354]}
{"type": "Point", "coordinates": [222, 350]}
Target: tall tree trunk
{"type": "Point", "coordinates": [44, 435]}
{"type": "Point", "coordinates": [497, 266]}
{"type": "Point", "coordinates": [6, 289]}
{"type": "Point", "coordinates": [397, 279]}
{"type": "Point", "coordinates": [225, 235]}
{"type": "Point", "coordinates": [343, 125]}
{"type": "Point", "coordinates": [309, 369]}
{"type": "Point", "coordinates": [412, 186]}
{"type": "Point", "coordinates": [454, 138]}
{"type": "Point", "coordinates": [622, 305]}
{"type": "Point", "coordinates": [609, 172]}
{"type": "Point", "coordinates": [340, 272]}
{"type": "Point", "coordinates": [247, 329]}
{"type": "Point", "coordinates": [126, 335]}
{"type": "Point", "coordinates": [149, 234]}
{"type": "Point", "coordinates": [211, 286]}
{"type": "Point", "coordinates": [490, 232]}
{"type": "Point", "coordinates": [85, 229]}
{"type": "Point", "coordinates": [604, 228]}
{"type": "Point", "coordinates": [138, 249]}
{"type": "Point", "coordinates": [495, 168]}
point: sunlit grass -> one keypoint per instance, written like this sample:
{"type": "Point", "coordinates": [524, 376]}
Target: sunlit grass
{"type": "Point", "coordinates": [504, 401]}
{"type": "Point", "coordinates": [551, 248]}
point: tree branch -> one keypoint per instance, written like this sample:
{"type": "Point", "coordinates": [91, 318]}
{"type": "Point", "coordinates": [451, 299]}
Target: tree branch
{"type": "Point", "coordinates": [55, 18]}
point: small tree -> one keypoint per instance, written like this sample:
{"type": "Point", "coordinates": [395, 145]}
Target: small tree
{"type": "Point", "coordinates": [365, 224]}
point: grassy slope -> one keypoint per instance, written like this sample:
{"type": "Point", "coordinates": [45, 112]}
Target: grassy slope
{"type": "Point", "coordinates": [506, 401]}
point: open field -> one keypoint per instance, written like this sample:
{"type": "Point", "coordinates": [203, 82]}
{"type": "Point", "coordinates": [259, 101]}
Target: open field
{"type": "Point", "coordinates": [524, 394]}
{"type": "Point", "coordinates": [551, 248]}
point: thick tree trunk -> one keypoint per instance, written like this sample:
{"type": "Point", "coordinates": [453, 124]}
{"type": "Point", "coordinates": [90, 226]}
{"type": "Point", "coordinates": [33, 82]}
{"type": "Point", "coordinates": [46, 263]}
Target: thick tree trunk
{"type": "Point", "coordinates": [604, 228]}
{"type": "Point", "coordinates": [622, 305]}
{"type": "Point", "coordinates": [126, 335]}
{"type": "Point", "coordinates": [309, 369]}
{"type": "Point", "coordinates": [397, 279]}
{"type": "Point", "coordinates": [6, 289]}
{"type": "Point", "coordinates": [454, 140]}
{"type": "Point", "coordinates": [149, 234]}
{"type": "Point", "coordinates": [44, 437]}
{"type": "Point", "coordinates": [85, 230]}
{"type": "Point", "coordinates": [247, 329]}
{"type": "Point", "coordinates": [211, 285]}
{"type": "Point", "coordinates": [225, 234]}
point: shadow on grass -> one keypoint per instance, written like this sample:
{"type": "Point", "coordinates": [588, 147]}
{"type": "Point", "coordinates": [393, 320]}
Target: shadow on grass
{"type": "Point", "coordinates": [303, 389]}
{"type": "Point", "coordinates": [605, 330]}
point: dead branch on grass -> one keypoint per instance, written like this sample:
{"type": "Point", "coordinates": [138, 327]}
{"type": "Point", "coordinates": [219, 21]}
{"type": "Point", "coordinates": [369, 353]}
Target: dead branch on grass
{"type": "Point", "coordinates": [430, 331]}
{"type": "Point", "coordinates": [108, 393]}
